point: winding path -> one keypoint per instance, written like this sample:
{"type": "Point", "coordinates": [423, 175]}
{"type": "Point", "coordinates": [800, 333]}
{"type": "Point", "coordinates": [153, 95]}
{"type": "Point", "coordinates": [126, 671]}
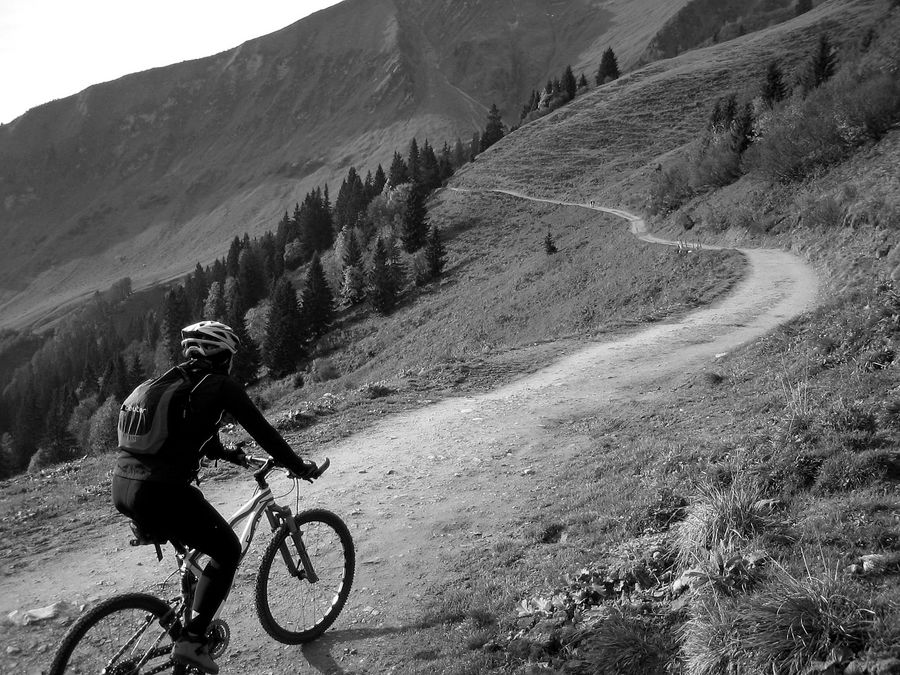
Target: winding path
{"type": "Point", "coordinates": [448, 477]}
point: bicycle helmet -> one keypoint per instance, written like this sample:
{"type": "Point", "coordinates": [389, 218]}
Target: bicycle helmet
{"type": "Point", "coordinates": [208, 338]}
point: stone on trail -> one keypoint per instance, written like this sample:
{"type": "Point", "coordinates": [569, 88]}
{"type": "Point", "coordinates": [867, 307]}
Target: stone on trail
{"type": "Point", "coordinates": [27, 617]}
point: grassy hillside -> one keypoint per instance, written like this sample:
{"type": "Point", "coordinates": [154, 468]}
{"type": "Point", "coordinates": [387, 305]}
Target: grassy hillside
{"type": "Point", "coordinates": [746, 519]}
{"type": "Point", "coordinates": [607, 144]}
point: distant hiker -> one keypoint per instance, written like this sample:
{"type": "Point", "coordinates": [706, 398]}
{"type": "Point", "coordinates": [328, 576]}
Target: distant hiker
{"type": "Point", "coordinates": [165, 426]}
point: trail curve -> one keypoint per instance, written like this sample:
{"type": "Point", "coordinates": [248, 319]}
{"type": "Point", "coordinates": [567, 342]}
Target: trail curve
{"type": "Point", "coordinates": [420, 487]}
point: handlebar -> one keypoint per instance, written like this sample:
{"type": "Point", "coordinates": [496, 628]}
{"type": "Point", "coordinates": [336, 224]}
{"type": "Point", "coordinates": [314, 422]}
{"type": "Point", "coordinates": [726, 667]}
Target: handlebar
{"type": "Point", "coordinates": [267, 464]}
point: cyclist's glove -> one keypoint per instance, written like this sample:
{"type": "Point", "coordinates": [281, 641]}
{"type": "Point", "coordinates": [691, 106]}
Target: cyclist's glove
{"type": "Point", "coordinates": [305, 469]}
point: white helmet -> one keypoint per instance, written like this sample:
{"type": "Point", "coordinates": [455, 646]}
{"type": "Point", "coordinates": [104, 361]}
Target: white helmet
{"type": "Point", "coordinates": [207, 338]}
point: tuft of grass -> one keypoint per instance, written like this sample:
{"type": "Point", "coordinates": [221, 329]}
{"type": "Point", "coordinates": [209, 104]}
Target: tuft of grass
{"type": "Point", "coordinates": [726, 517]}
{"type": "Point", "coordinates": [782, 628]}
{"type": "Point", "coordinates": [628, 645]}
{"type": "Point", "coordinates": [479, 603]}
{"type": "Point", "coordinates": [849, 470]}
{"type": "Point", "coordinates": [794, 622]}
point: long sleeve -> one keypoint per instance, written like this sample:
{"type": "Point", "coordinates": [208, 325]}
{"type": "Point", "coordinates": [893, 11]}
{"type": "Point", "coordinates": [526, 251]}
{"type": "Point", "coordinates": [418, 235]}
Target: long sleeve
{"type": "Point", "coordinates": [238, 405]}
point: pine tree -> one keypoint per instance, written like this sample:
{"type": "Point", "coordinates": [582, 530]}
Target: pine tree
{"type": "Point", "coordinates": [413, 162]}
{"type": "Point", "coordinates": [231, 260]}
{"type": "Point", "coordinates": [474, 146]}
{"type": "Point", "coordinates": [742, 128]}
{"type": "Point", "coordinates": [398, 173]}
{"type": "Point", "coordinates": [351, 202]}
{"type": "Point", "coordinates": [723, 113]}
{"type": "Point", "coordinates": [493, 131]}
{"type": "Point", "coordinates": [176, 315]}
{"type": "Point", "coordinates": [136, 372]}
{"type": "Point", "coordinates": [460, 156]}
{"type": "Point", "coordinates": [435, 254]}
{"type": "Point", "coordinates": [353, 285]}
{"type": "Point", "coordinates": [214, 307]}
{"type": "Point", "coordinates": [415, 227]}
{"type": "Point", "coordinates": [384, 278]}
{"type": "Point", "coordinates": [235, 307]}
{"type": "Point", "coordinates": [245, 364]}
{"type": "Point", "coordinates": [379, 181]}
{"type": "Point", "coordinates": [115, 379]}
{"type": "Point", "coordinates": [773, 89]}
{"type": "Point", "coordinates": [368, 187]}
{"type": "Point", "coordinates": [569, 85]}
{"type": "Point", "coordinates": [429, 169]}
{"type": "Point", "coordinates": [250, 276]}
{"type": "Point", "coordinates": [549, 244]}
{"type": "Point", "coordinates": [821, 65]}
{"type": "Point", "coordinates": [196, 287]}
{"type": "Point", "coordinates": [351, 255]}
{"type": "Point", "coordinates": [582, 82]}
{"type": "Point", "coordinates": [284, 339]}
{"type": "Point", "coordinates": [217, 272]}
{"type": "Point", "coordinates": [609, 67]}
{"type": "Point", "coordinates": [316, 301]}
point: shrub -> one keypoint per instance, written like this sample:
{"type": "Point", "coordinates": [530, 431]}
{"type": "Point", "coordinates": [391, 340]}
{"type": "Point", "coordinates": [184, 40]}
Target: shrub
{"type": "Point", "coordinates": [858, 106]}
{"type": "Point", "coordinates": [80, 421]}
{"type": "Point", "coordinates": [718, 164]}
{"type": "Point", "coordinates": [103, 436]}
{"type": "Point", "coordinates": [803, 137]}
{"type": "Point", "coordinates": [825, 213]}
{"type": "Point", "coordinates": [870, 111]}
{"type": "Point", "coordinates": [549, 244]}
{"type": "Point", "coordinates": [684, 221]}
{"type": "Point", "coordinates": [373, 390]}
{"type": "Point", "coordinates": [272, 392]}
{"type": "Point", "coordinates": [48, 456]}
{"type": "Point", "coordinates": [671, 188]}
{"type": "Point", "coordinates": [323, 370]}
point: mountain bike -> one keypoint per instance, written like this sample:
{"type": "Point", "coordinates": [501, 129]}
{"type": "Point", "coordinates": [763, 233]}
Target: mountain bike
{"type": "Point", "coordinates": [303, 581]}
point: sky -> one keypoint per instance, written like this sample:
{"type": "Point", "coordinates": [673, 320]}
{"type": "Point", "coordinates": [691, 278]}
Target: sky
{"type": "Point", "coordinates": [51, 49]}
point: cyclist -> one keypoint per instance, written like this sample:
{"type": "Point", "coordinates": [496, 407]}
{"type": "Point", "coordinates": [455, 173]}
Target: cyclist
{"type": "Point", "coordinates": [156, 492]}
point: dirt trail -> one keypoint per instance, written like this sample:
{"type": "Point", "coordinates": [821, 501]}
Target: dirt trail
{"type": "Point", "coordinates": [446, 477]}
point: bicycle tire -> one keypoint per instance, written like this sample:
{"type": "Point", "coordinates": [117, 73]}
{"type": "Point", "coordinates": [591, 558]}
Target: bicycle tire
{"type": "Point", "coordinates": [283, 602]}
{"type": "Point", "coordinates": [85, 650]}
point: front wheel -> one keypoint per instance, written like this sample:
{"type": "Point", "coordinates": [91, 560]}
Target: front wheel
{"type": "Point", "coordinates": [123, 635]}
{"type": "Point", "coordinates": [291, 609]}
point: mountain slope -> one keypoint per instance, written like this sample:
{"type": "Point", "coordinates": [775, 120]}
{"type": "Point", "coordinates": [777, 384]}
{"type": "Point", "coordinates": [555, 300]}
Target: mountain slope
{"type": "Point", "coordinates": [145, 175]}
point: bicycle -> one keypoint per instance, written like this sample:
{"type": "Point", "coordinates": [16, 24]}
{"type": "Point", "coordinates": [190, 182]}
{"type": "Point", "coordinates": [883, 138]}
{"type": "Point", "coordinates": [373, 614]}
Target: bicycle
{"type": "Point", "coordinates": [296, 602]}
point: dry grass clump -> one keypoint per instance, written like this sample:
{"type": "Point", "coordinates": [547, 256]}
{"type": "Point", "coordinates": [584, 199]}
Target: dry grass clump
{"type": "Point", "coordinates": [629, 645]}
{"type": "Point", "coordinates": [781, 629]}
{"type": "Point", "coordinates": [723, 516]}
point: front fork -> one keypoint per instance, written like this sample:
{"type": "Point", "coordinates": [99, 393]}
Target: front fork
{"type": "Point", "coordinates": [280, 516]}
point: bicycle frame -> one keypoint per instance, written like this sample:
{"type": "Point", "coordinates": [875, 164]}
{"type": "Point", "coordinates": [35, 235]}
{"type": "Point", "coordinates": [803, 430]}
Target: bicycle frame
{"type": "Point", "coordinates": [251, 512]}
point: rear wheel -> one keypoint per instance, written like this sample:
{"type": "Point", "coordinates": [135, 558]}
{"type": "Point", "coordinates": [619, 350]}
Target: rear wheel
{"type": "Point", "coordinates": [121, 636]}
{"type": "Point", "coordinates": [291, 609]}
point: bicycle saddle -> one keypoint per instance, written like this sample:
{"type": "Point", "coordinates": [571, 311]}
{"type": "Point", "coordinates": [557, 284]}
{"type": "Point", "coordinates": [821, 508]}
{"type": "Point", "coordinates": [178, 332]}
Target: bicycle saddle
{"type": "Point", "coordinates": [144, 537]}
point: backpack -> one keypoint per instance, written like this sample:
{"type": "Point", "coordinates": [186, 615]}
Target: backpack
{"type": "Point", "coordinates": [147, 412]}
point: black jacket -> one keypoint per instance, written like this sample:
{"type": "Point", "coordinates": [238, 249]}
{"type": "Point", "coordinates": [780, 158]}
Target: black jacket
{"type": "Point", "coordinates": [215, 393]}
